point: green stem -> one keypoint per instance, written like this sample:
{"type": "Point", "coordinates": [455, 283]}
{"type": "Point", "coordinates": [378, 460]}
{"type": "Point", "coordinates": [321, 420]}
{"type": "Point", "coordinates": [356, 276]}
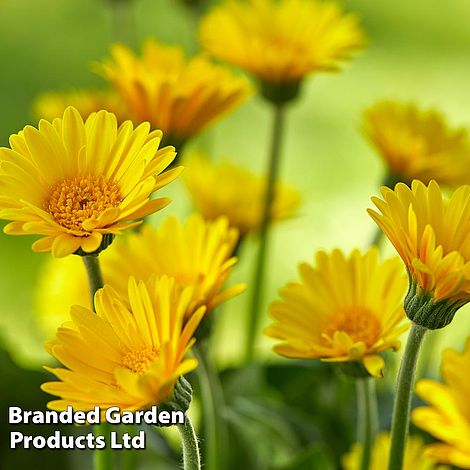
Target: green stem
{"type": "Point", "coordinates": [366, 418]}
{"type": "Point", "coordinates": [191, 458]}
{"type": "Point", "coordinates": [258, 277]}
{"type": "Point", "coordinates": [402, 404]}
{"type": "Point", "coordinates": [103, 459]}
{"type": "Point", "coordinates": [129, 457]}
{"type": "Point", "coordinates": [123, 21]}
{"type": "Point", "coordinates": [212, 405]}
{"type": "Point", "coordinates": [95, 278]}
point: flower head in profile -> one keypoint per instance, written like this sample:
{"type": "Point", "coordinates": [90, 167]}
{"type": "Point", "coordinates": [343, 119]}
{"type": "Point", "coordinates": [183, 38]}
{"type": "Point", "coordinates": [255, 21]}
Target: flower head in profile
{"type": "Point", "coordinates": [129, 354]}
{"type": "Point", "coordinates": [178, 95]}
{"type": "Point", "coordinates": [197, 254]}
{"type": "Point", "coordinates": [227, 190]}
{"type": "Point", "coordinates": [51, 105]}
{"type": "Point", "coordinates": [415, 457]}
{"type": "Point", "coordinates": [418, 144]}
{"type": "Point", "coordinates": [72, 182]}
{"type": "Point", "coordinates": [281, 41]}
{"type": "Point", "coordinates": [447, 417]}
{"type": "Point", "coordinates": [344, 309]}
{"type": "Point", "coordinates": [431, 233]}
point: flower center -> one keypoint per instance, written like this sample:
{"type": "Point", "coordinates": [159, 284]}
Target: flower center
{"type": "Point", "coordinates": [139, 361]}
{"type": "Point", "coordinates": [75, 200]}
{"type": "Point", "coordinates": [357, 322]}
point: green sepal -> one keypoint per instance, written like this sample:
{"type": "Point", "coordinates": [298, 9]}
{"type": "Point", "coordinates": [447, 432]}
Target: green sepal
{"type": "Point", "coordinates": [180, 399]}
{"type": "Point", "coordinates": [353, 369]}
{"type": "Point", "coordinates": [421, 308]}
{"type": "Point", "coordinates": [279, 92]}
{"type": "Point", "coordinates": [107, 240]}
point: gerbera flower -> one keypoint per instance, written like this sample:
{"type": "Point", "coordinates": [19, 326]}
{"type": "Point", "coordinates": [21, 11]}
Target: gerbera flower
{"type": "Point", "coordinates": [197, 254]}
{"type": "Point", "coordinates": [431, 233]}
{"type": "Point", "coordinates": [73, 182]}
{"type": "Point", "coordinates": [51, 105]}
{"type": "Point", "coordinates": [415, 455]}
{"type": "Point", "coordinates": [418, 144]}
{"type": "Point", "coordinates": [448, 416]}
{"type": "Point", "coordinates": [225, 189]}
{"type": "Point", "coordinates": [344, 309]}
{"type": "Point", "coordinates": [127, 355]}
{"type": "Point", "coordinates": [177, 95]}
{"type": "Point", "coordinates": [281, 41]}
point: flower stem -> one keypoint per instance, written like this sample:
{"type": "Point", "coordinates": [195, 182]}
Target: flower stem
{"type": "Point", "coordinates": [258, 277]}
{"type": "Point", "coordinates": [191, 458]}
{"type": "Point", "coordinates": [366, 418]}
{"type": "Point", "coordinates": [402, 404]}
{"type": "Point", "coordinates": [129, 458]}
{"type": "Point", "coordinates": [123, 21]}
{"type": "Point", "coordinates": [103, 459]}
{"type": "Point", "coordinates": [212, 404]}
{"type": "Point", "coordinates": [95, 278]}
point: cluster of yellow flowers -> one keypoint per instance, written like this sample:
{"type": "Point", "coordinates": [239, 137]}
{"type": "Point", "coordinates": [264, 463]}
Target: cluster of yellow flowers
{"type": "Point", "coordinates": [89, 171]}
{"type": "Point", "coordinates": [76, 182]}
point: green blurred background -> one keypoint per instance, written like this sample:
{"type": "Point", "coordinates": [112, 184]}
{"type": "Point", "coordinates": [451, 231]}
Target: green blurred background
{"type": "Point", "coordinates": [416, 51]}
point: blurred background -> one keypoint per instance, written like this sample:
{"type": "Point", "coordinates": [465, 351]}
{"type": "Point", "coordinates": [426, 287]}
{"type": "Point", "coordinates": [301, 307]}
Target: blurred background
{"type": "Point", "coordinates": [414, 52]}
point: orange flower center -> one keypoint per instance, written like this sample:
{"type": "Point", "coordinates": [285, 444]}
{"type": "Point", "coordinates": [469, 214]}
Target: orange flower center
{"type": "Point", "coordinates": [357, 322]}
{"type": "Point", "coordinates": [139, 361]}
{"type": "Point", "coordinates": [75, 200]}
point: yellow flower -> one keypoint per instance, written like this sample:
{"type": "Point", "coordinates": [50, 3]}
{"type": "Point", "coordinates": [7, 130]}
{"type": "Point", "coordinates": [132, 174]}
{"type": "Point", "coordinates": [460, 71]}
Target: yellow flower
{"type": "Point", "coordinates": [415, 455]}
{"type": "Point", "coordinates": [281, 41]}
{"type": "Point", "coordinates": [431, 233]}
{"type": "Point", "coordinates": [51, 105]}
{"type": "Point", "coordinates": [177, 95]}
{"type": "Point", "coordinates": [225, 189]}
{"type": "Point", "coordinates": [448, 416]}
{"type": "Point", "coordinates": [73, 182]}
{"type": "Point", "coordinates": [418, 144]}
{"type": "Point", "coordinates": [129, 354]}
{"type": "Point", "coordinates": [197, 254]}
{"type": "Point", "coordinates": [346, 309]}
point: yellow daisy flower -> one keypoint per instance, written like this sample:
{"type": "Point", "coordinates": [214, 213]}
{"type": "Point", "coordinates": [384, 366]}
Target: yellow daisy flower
{"type": "Point", "coordinates": [448, 416]}
{"type": "Point", "coordinates": [344, 309]}
{"type": "Point", "coordinates": [137, 356]}
{"type": "Point", "coordinates": [216, 191]}
{"type": "Point", "coordinates": [177, 95]}
{"type": "Point", "coordinates": [197, 254]}
{"type": "Point", "coordinates": [281, 41]}
{"type": "Point", "coordinates": [73, 182]}
{"type": "Point", "coordinates": [417, 143]}
{"type": "Point", "coordinates": [415, 455]}
{"type": "Point", "coordinates": [431, 233]}
{"type": "Point", "coordinates": [51, 105]}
